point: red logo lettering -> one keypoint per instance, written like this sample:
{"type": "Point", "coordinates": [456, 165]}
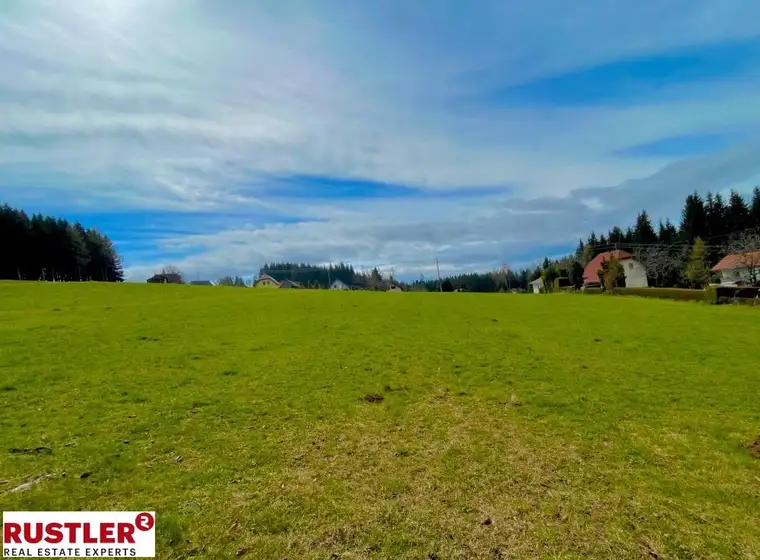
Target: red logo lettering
{"type": "Point", "coordinates": [106, 533]}
{"type": "Point", "coordinates": [125, 532]}
{"type": "Point", "coordinates": [54, 533]}
{"type": "Point", "coordinates": [88, 538]}
{"type": "Point", "coordinates": [144, 522]}
{"type": "Point", "coordinates": [72, 527]}
{"type": "Point", "coordinates": [37, 536]}
{"type": "Point", "coordinates": [11, 533]}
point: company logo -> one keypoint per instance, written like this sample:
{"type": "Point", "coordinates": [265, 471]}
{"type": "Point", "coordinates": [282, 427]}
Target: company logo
{"type": "Point", "coordinates": [79, 534]}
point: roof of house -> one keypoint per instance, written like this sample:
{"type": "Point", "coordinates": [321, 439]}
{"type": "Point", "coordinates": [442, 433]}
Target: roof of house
{"type": "Point", "coordinates": [266, 277]}
{"type": "Point", "coordinates": [201, 283]}
{"type": "Point", "coordinates": [591, 272]}
{"type": "Point", "coordinates": [536, 281]}
{"type": "Point", "coordinates": [171, 277]}
{"type": "Point", "coordinates": [291, 282]}
{"type": "Point", "coordinates": [737, 260]}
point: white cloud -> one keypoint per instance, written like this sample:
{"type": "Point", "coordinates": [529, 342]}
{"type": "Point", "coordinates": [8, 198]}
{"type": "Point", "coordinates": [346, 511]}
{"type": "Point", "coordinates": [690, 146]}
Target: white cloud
{"type": "Point", "coordinates": [193, 105]}
{"type": "Point", "coordinates": [479, 235]}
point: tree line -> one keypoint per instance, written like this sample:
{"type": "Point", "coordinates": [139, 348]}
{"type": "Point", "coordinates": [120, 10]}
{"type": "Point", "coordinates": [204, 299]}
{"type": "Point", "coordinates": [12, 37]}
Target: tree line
{"type": "Point", "coordinates": [322, 276]}
{"type": "Point", "coordinates": [682, 254]}
{"type": "Point", "coordinates": [679, 254]}
{"type": "Point", "coordinates": [48, 248]}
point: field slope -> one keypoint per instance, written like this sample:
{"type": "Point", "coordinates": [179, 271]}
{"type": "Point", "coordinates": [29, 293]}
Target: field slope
{"type": "Point", "coordinates": [509, 426]}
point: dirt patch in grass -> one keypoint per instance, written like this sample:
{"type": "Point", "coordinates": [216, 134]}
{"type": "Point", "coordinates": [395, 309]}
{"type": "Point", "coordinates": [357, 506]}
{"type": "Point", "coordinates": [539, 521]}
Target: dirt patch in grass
{"type": "Point", "coordinates": [373, 398]}
{"type": "Point", "coordinates": [31, 451]}
{"type": "Point", "coordinates": [754, 447]}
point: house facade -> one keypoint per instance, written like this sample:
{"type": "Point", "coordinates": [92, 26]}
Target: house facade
{"type": "Point", "coordinates": [339, 284]}
{"type": "Point", "coordinates": [739, 267]}
{"type": "Point", "coordinates": [536, 285]}
{"type": "Point", "coordinates": [289, 284]}
{"type": "Point", "coordinates": [634, 271]}
{"type": "Point", "coordinates": [266, 281]}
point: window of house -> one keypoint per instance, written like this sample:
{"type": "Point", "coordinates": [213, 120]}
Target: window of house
{"type": "Point", "coordinates": [630, 266]}
{"type": "Point", "coordinates": [736, 274]}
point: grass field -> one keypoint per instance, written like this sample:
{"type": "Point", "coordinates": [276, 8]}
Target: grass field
{"type": "Point", "coordinates": [509, 427]}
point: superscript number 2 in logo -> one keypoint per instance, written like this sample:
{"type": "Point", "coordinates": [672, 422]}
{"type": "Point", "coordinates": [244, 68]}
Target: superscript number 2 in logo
{"type": "Point", "coordinates": [144, 521]}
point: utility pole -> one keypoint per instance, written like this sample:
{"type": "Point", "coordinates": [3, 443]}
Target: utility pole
{"type": "Point", "coordinates": [438, 268]}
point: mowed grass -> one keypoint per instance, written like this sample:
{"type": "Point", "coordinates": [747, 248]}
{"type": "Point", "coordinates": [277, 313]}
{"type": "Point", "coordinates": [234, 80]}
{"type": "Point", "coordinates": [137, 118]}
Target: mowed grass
{"type": "Point", "coordinates": [510, 426]}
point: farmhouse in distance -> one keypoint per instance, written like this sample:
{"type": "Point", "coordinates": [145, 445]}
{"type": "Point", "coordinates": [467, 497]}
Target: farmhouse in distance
{"type": "Point", "coordinates": [738, 267]}
{"type": "Point", "coordinates": [635, 273]}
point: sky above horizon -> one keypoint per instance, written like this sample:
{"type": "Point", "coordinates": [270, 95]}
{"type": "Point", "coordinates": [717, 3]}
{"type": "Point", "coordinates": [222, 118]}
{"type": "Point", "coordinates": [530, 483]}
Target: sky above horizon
{"type": "Point", "coordinates": [217, 136]}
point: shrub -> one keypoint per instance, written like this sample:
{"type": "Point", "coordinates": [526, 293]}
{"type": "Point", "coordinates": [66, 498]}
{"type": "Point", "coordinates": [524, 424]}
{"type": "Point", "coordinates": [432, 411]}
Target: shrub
{"type": "Point", "coordinates": [711, 294]}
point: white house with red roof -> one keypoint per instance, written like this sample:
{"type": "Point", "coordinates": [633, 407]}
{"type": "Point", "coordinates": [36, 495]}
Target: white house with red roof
{"type": "Point", "coordinates": [739, 267]}
{"type": "Point", "coordinates": [635, 273]}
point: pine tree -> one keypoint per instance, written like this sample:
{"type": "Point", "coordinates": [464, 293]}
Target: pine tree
{"type": "Point", "coordinates": [754, 212]}
{"type": "Point", "coordinates": [697, 272]}
{"type": "Point", "coordinates": [693, 219]}
{"type": "Point", "coordinates": [667, 233]}
{"type": "Point", "coordinates": [616, 235]}
{"type": "Point", "coordinates": [719, 216]}
{"type": "Point", "coordinates": [737, 213]}
{"type": "Point", "coordinates": [628, 238]}
{"type": "Point", "coordinates": [579, 249]}
{"type": "Point", "coordinates": [643, 232]}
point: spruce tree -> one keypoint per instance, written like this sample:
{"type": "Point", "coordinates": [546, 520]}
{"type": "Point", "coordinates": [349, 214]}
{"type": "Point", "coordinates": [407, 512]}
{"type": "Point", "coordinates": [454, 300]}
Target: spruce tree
{"type": "Point", "coordinates": [737, 213]}
{"type": "Point", "coordinates": [697, 272]}
{"type": "Point", "coordinates": [693, 219]}
{"type": "Point", "coordinates": [643, 232]}
{"type": "Point", "coordinates": [616, 235]}
{"type": "Point", "coordinates": [754, 211]}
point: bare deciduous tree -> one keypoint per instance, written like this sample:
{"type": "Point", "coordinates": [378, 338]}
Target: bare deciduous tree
{"type": "Point", "coordinates": [171, 269]}
{"type": "Point", "coordinates": [659, 261]}
{"type": "Point", "coordinates": [501, 277]}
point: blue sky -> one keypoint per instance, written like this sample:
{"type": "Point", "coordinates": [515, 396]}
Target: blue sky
{"type": "Point", "coordinates": [217, 136]}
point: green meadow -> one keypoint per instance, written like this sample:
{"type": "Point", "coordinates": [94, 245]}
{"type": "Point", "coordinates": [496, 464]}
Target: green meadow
{"type": "Point", "coordinates": [313, 424]}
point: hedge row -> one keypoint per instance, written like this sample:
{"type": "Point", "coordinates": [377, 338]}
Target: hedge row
{"type": "Point", "coordinates": [682, 294]}
{"type": "Point", "coordinates": [713, 294]}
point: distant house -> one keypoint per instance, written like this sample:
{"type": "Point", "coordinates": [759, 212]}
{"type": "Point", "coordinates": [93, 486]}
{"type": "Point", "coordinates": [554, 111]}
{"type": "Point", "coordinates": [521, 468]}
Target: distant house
{"type": "Point", "coordinates": [339, 284]}
{"type": "Point", "coordinates": [266, 281]}
{"type": "Point", "coordinates": [171, 278]}
{"type": "Point", "coordinates": [635, 273]}
{"type": "Point", "coordinates": [536, 285]}
{"type": "Point", "coordinates": [395, 288]}
{"type": "Point", "coordinates": [289, 284]}
{"type": "Point", "coordinates": [202, 283]}
{"type": "Point", "coordinates": [738, 267]}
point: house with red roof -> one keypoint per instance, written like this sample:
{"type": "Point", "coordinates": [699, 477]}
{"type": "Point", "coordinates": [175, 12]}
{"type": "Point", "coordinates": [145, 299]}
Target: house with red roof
{"type": "Point", "coordinates": [635, 273]}
{"type": "Point", "coordinates": [739, 267]}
